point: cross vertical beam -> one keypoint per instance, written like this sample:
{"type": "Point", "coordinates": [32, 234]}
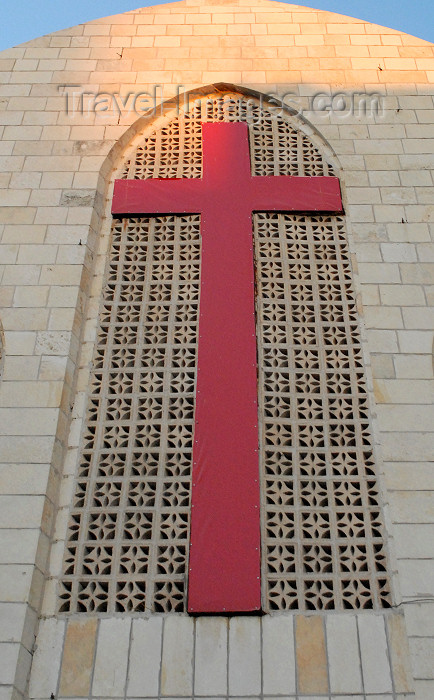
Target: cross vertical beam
{"type": "Point", "coordinates": [224, 568]}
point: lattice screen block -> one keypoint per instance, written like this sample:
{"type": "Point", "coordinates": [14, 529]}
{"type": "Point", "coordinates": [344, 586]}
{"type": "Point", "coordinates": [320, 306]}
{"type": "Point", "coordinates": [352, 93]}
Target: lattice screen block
{"type": "Point", "coordinates": [276, 148]}
{"type": "Point", "coordinates": [130, 518]}
{"type": "Point", "coordinates": [322, 527]}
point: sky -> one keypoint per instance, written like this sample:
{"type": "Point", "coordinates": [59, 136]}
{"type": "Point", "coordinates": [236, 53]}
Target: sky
{"type": "Point", "coordinates": [22, 20]}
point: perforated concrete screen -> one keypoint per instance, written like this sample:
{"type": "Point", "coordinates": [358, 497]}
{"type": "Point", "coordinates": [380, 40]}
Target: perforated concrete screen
{"type": "Point", "coordinates": [130, 522]}
{"type": "Point", "coordinates": [322, 525]}
{"type": "Point", "coordinates": [276, 148]}
{"type": "Point", "coordinates": [321, 516]}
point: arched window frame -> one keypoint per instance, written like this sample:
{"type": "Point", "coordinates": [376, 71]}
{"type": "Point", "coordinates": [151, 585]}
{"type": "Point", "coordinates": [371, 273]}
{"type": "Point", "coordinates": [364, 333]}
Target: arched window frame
{"type": "Point", "coordinates": [127, 172]}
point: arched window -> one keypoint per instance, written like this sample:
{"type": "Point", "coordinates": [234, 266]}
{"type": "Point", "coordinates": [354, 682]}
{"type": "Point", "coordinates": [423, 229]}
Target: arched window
{"type": "Point", "coordinates": [322, 528]}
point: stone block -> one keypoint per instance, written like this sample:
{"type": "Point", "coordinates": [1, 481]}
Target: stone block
{"type": "Point", "coordinates": [12, 164]}
{"type": "Point", "coordinates": [403, 232]}
{"type": "Point", "coordinates": [78, 656]}
{"type": "Point", "coordinates": [12, 617]}
{"type": "Point", "coordinates": [52, 368]}
{"type": "Point", "coordinates": [379, 273]}
{"type": "Point", "coordinates": [47, 657]}
{"type": "Point", "coordinates": [6, 296]}
{"type": "Point", "coordinates": [343, 654]}
{"type": "Point", "coordinates": [407, 446]}
{"type": "Point", "coordinates": [420, 213]}
{"type": "Point", "coordinates": [398, 195]}
{"type": "Point", "coordinates": [24, 234]}
{"type": "Point", "coordinates": [9, 254]}
{"type": "Point", "coordinates": [361, 213]}
{"type": "Point", "coordinates": [363, 195]}
{"type": "Point", "coordinates": [382, 366]}
{"type": "Point", "coordinates": [110, 673]}
{"type": "Point", "coordinates": [425, 251]}
{"type": "Point", "coordinates": [23, 478]}
{"type": "Point", "coordinates": [412, 507]}
{"type": "Point", "coordinates": [384, 178]}
{"type": "Point", "coordinates": [419, 318]}
{"type": "Point", "coordinates": [416, 341]}
{"type": "Point", "coordinates": [211, 673]}
{"type": "Point", "coordinates": [18, 448]}
{"type": "Point", "coordinates": [67, 235]}
{"type": "Point", "coordinates": [56, 180]}
{"type": "Point", "coordinates": [374, 654]}
{"type": "Point", "coordinates": [145, 658]}
{"type": "Point", "coordinates": [405, 295]}
{"type": "Point", "coordinates": [22, 670]}
{"type": "Point", "coordinates": [406, 391]}
{"type": "Point", "coordinates": [311, 655]}
{"type": "Point", "coordinates": [424, 690]}
{"type": "Point", "coordinates": [417, 577]}
{"type": "Point", "coordinates": [424, 195]}
{"type": "Point", "coordinates": [8, 661]}
{"type": "Point", "coordinates": [422, 655]}
{"type": "Point", "coordinates": [370, 295]}
{"type": "Point", "coordinates": [61, 319]}
{"type": "Point", "coordinates": [19, 546]}
{"type": "Point", "coordinates": [53, 342]}
{"type": "Point", "coordinates": [21, 511]}
{"type": "Point", "coordinates": [368, 252]}
{"type": "Point", "coordinates": [21, 275]}
{"type": "Point", "coordinates": [384, 318]}
{"type": "Point", "coordinates": [20, 319]}
{"type": "Point", "coordinates": [18, 215]}
{"type": "Point", "coordinates": [278, 657]}
{"type": "Point", "coordinates": [62, 296]}
{"type": "Point", "coordinates": [20, 368]}
{"type": "Point", "coordinates": [45, 198]}
{"type": "Point", "coordinates": [61, 274]}
{"type": "Point", "coordinates": [177, 658]}
{"type": "Point", "coordinates": [398, 252]}
{"type": "Point", "coordinates": [50, 215]}
{"type": "Point", "coordinates": [412, 366]}
{"type": "Point", "coordinates": [382, 341]}
{"type": "Point", "coordinates": [52, 163]}
{"type": "Point", "coordinates": [409, 476]}
{"type": "Point", "coordinates": [419, 619]}
{"type": "Point", "coordinates": [30, 296]}
{"type": "Point", "coordinates": [14, 198]}
{"type": "Point", "coordinates": [386, 213]}
{"type": "Point", "coordinates": [406, 418]}
{"type": "Point", "coordinates": [417, 273]}
{"type": "Point", "coordinates": [244, 656]}
{"type": "Point", "coordinates": [8, 692]}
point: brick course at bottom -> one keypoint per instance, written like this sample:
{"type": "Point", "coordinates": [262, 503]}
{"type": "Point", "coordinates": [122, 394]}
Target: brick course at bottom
{"type": "Point", "coordinates": [180, 656]}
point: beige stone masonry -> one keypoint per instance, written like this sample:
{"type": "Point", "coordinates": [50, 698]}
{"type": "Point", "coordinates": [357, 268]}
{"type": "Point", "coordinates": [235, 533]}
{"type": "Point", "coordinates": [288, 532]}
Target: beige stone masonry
{"type": "Point", "coordinates": [299, 666]}
{"type": "Point", "coordinates": [78, 658]}
{"type": "Point", "coordinates": [311, 655]}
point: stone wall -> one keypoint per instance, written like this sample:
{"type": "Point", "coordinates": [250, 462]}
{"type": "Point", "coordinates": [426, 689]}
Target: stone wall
{"type": "Point", "coordinates": [289, 656]}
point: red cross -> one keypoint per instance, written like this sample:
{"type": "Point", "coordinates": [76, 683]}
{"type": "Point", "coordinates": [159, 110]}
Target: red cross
{"type": "Point", "coordinates": [224, 563]}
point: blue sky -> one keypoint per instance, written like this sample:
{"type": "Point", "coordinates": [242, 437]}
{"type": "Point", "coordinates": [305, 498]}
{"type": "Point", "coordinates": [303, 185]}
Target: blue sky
{"type": "Point", "coordinates": [22, 20]}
